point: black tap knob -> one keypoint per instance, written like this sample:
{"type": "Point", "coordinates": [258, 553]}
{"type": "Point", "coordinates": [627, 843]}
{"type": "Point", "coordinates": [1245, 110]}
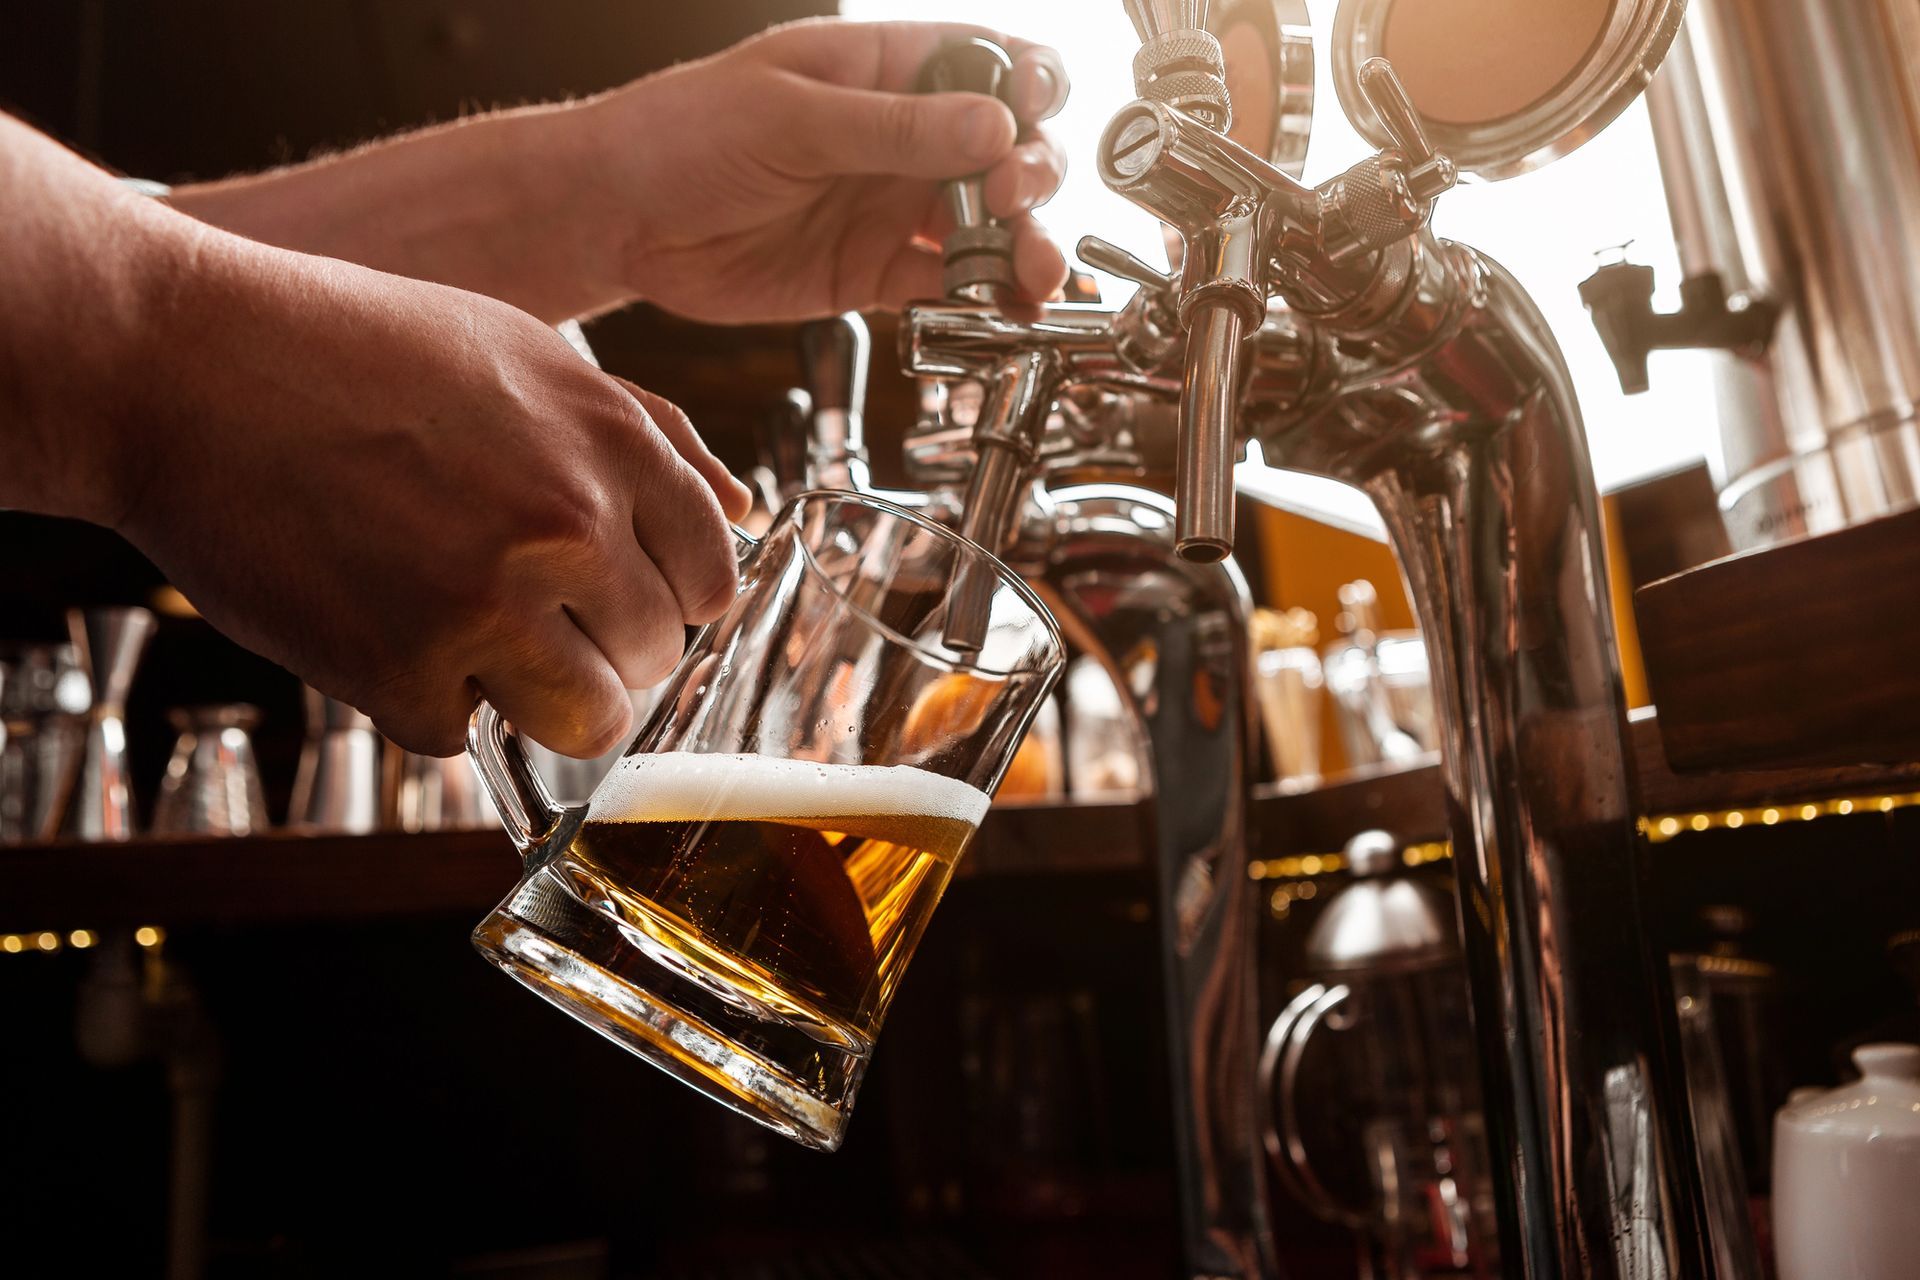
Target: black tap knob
{"type": "Point", "coordinates": [1620, 297]}
{"type": "Point", "coordinates": [979, 251]}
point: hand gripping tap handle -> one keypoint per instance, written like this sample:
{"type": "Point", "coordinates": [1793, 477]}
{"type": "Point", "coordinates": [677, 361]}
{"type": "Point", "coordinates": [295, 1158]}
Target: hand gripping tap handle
{"type": "Point", "coordinates": [979, 251]}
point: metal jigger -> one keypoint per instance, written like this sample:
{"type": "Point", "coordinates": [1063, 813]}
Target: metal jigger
{"type": "Point", "coordinates": [425, 793]}
{"type": "Point", "coordinates": [110, 642]}
{"type": "Point", "coordinates": [212, 786]}
{"type": "Point", "coordinates": [338, 784]}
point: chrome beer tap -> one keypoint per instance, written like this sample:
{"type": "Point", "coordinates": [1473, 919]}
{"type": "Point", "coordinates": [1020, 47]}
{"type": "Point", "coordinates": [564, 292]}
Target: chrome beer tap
{"type": "Point", "coordinates": [1440, 392]}
{"type": "Point", "coordinates": [1075, 393]}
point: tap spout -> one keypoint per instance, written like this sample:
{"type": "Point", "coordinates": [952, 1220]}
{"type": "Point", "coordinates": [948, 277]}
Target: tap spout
{"type": "Point", "coordinates": [1020, 395]}
{"type": "Point", "coordinates": [1209, 430]}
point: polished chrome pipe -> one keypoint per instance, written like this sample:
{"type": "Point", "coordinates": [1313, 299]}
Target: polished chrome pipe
{"type": "Point", "coordinates": [1479, 466]}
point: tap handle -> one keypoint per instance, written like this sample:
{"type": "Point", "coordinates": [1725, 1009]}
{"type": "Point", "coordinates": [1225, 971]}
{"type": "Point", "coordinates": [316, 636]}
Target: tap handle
{"type": "Point", "coordinates": [1104, 255]}
{"type": "Point", "coordinates": [1389, 100]}
{"type": "Point", "coordinates": [1428, 173]}
{"type": "Point", "coordinates": [833, 363]}
{"type": "Point", "coordinates": [1389, 196]}
{"type": "Point", "coordinates": [979, 251]}
{"type": "Point", "coordinates": [968, 64]}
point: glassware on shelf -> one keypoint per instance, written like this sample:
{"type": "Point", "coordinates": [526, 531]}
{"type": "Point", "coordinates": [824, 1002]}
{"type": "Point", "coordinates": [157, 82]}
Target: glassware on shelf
{"type": "Point", "coordinates": [427, 793]}
{"type": "Point", "coordinates": [212, 785]}
{"type": "Point", "coordinates": [44, 696]}
{"type": "Point", "coordinates": [337, 787]}
{"type": "Point", "coordinates": [1380, 685]}
{"type": "Point", "coordinates": [110, 642]}
{"type": "Point", "coordinates": [1290, 687]}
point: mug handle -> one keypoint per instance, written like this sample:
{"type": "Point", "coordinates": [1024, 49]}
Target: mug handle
{"type": "Point", "coordinates": [527, 809]}
{"type": "Point", "coordinates": [1277, 1098]}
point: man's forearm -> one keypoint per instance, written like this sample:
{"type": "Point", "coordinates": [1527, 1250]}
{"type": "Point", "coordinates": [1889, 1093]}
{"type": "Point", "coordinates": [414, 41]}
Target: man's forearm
{"type": "Point", "coordinates": [493, 204]}
{"type": "Point", "coordinates": [85, 265]}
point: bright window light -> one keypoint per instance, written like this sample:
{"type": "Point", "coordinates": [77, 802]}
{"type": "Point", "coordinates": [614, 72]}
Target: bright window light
{"type": "Point", "coordinates": [1545, 227]}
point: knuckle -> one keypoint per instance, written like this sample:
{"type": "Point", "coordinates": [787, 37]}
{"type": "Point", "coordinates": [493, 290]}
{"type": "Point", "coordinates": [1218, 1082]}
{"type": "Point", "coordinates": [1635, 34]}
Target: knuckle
{"type": "Point", "coordinates": [710, 579]}
{"type": "Point", "coordinates": [603, 725]}
{"type": "Point", "coordinates": [900, 122]}
{"type": "Point", "coordinates": [662, 648]}
{"type": "Point", "coordinates": [570, 518]}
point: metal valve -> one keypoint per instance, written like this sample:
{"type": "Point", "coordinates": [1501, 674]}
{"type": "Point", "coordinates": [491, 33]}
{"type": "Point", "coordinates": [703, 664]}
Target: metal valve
{"type": "Point", "coordinates": [1390, 196]}
{"type": "Point", "coordinates": [979, 251]}
{"type": "Point", "coordinates": [1180, 63]}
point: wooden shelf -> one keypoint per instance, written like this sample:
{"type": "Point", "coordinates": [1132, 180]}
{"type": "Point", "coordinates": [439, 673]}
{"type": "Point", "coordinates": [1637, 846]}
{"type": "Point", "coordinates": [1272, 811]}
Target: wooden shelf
{"type": "Point", "coordinates": [1411, 803]}
{"type": "Point", "coordinates": [1804, 655]}
{"type": "Point", "coordinates": [286, 876]}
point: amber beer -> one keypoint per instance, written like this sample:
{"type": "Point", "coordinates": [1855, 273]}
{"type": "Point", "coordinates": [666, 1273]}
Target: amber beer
{"type": "Point", "coordinates": [807, 885]}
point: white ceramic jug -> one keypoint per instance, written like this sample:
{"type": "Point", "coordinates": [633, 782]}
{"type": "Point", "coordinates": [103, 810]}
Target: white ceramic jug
{"type": "Point", "coordinates": [1846, 1173]}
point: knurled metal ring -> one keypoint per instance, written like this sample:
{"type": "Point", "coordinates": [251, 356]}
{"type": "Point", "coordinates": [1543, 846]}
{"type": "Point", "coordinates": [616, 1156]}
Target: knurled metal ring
{"type": "Point", "coordinates": [1372, 198]}
{"type": "Point", "coordinates": [964, 242]}
{"type": "Point", "coordinates": [1186, 90]}
{"type": "Point", "coordinates": [980, 268]}
{"type": "Point", "coordinates": [1176, 51]}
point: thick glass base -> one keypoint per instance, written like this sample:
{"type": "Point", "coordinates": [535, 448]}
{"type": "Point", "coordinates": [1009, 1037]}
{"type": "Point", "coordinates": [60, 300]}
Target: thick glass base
{"type": "Point", "coordinates": [655, 1002]}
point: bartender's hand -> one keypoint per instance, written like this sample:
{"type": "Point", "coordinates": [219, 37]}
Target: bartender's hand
{"type": "Point", "coordinates": [797, 174]}
{"type": "Point", "coordinates": [412, 495]}
{"type": "Point", "coordinates": [407, 494]}
{"type": "Point", "coordinates": [794, 175]}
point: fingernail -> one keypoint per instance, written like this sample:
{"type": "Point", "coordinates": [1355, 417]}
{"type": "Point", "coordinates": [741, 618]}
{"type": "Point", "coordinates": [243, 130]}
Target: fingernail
{"type": "Point", "coordinates": [1037, 88]}
{"type": "Point", "coordinates": [984, 135]}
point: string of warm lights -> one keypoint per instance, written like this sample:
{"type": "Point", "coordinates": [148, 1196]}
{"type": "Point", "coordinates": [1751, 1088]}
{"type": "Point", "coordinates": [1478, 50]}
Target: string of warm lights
{"type": "Point", "coordinates": [1299, 869]}
{"type": "Point", "coordinates": [1665, 827]}
{"type": "Point", "coordinates": [48, 941]}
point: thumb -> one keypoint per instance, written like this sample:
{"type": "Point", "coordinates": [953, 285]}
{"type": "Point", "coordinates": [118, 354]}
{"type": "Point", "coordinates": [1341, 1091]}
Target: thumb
{"type": "Point", "coordinates": [934, 135]}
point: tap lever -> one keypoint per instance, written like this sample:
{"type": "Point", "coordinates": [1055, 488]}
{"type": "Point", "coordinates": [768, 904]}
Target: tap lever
{"type": "Point", "coordinates": [1104, 255]}
{"type": "Point", "coordinates": [1428, 173]}
{"type": "Point", "coordinates": [979, 251]}
{"type": "Point", "coordinates": [1389, 196]}
{"type": "Point", "coordinates": [1389, 100]}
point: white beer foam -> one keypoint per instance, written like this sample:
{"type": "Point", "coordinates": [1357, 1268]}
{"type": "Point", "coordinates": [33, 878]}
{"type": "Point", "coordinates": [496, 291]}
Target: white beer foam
{"type": "Point", "coordinates": [683, 786]}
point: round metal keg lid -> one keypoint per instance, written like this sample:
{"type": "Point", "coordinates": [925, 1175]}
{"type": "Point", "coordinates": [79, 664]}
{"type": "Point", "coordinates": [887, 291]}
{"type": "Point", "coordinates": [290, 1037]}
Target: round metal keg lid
{"type": "Point", "coordinates": [1268, 46]}
{"type": "Point", "coordinates": [1504, 86]}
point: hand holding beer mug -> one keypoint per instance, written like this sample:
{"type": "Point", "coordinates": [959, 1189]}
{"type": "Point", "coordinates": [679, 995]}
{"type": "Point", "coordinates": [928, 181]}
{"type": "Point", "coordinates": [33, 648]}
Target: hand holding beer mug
{"type": "Point", "coordinates": [738, 900]}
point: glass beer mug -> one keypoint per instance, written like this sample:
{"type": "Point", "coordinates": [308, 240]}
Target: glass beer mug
{"type": "Point", "coordinates": [737, 901]}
